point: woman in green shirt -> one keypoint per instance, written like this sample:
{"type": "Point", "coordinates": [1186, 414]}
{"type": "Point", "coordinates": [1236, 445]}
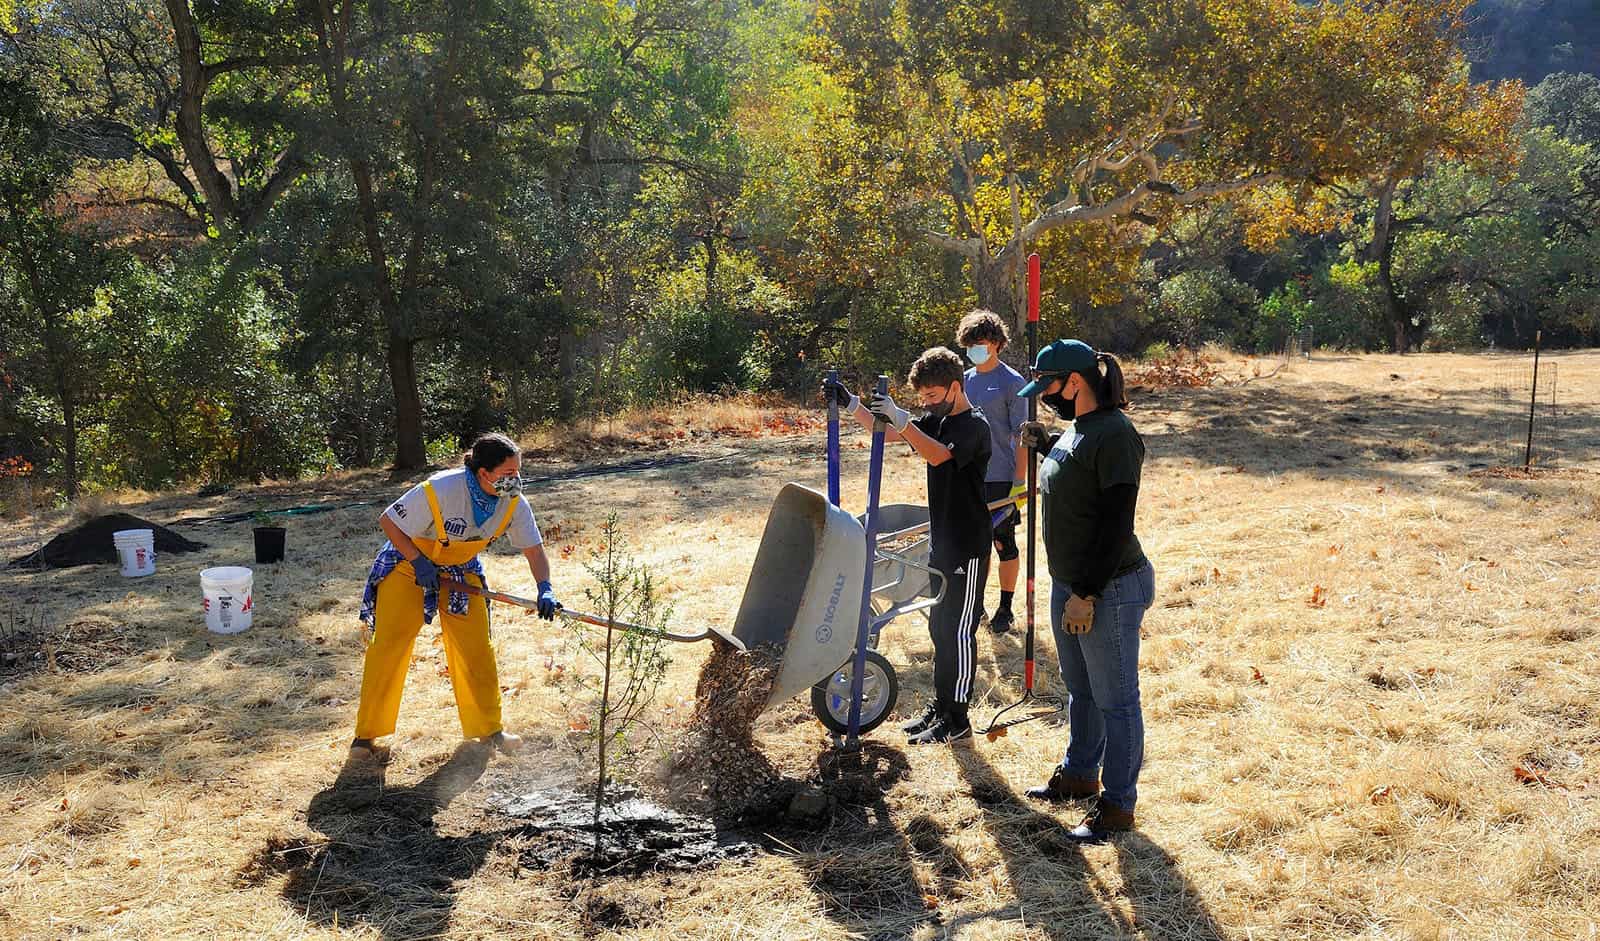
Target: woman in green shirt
{"type": "Point", "coordinates": [1101, 582]}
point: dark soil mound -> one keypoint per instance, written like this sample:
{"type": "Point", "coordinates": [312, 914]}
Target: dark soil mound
{"type": "Point", "coordinates": [91, 543]}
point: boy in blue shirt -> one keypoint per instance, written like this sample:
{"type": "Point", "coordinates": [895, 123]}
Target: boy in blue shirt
{"type": "Point", "coordinates": [992, 388]}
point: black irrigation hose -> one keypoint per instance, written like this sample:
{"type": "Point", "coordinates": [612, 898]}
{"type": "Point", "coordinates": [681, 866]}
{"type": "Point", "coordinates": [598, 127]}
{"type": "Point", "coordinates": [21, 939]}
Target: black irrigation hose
{"type": "Point", "coordinates": [600, 470]}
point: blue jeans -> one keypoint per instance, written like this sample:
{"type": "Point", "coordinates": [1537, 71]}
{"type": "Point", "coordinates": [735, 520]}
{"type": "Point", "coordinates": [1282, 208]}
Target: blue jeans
{"type": "Point", "coordinates": [1101, 671]}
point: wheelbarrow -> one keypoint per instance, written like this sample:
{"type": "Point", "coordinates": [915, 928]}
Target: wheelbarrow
{"type": "Point", "coordinates": [801, 598]}
{"type": "Point", "coordinates": [903, 582]}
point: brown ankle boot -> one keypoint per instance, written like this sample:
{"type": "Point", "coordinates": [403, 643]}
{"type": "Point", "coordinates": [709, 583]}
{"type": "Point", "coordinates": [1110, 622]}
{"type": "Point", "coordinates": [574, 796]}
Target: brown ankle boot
{"type": "Point", "coordinates": [1103, 820]}
{"type": "Point", "coordinates": [1064, 787]}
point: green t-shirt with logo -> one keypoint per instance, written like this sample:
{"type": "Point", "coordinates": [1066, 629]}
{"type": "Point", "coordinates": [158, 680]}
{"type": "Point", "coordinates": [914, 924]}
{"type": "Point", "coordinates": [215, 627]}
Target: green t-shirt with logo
{"type": "Point", "coordinates": [1100, 450]}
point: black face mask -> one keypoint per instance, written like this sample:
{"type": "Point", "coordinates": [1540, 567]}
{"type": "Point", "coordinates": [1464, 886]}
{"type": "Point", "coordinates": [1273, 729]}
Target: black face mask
{"type": "Point", "coordinates": [941, 409]}
{"type": "Point", "coordinates": [1060, 404]}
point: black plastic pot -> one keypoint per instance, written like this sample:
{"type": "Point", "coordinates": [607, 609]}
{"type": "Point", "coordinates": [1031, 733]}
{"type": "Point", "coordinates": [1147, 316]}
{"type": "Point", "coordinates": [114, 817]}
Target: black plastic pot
{"type": "Point", "coordinates": [269, 544]}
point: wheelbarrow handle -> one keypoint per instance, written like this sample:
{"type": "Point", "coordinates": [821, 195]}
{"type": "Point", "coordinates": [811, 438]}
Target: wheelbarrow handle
{"type": "Point", "coordinates": [449, 584]}
{"type": "Point", "coordinates": [923, 527]}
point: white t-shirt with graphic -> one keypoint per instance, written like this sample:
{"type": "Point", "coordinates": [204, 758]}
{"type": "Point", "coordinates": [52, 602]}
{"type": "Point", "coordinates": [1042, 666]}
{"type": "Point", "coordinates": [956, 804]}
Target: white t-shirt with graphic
{"type": "Point", "coordinates": [412, 514]}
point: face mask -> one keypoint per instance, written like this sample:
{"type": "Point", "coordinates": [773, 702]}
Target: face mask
{"type": "Point", "coordinates": [978, 354]}
{"type": "Point", "coordinates": [1063, 406]}
{"type": "Point", "coordinates": [508, 486]}
{"type": "Point", "coordinates": [941, 409]}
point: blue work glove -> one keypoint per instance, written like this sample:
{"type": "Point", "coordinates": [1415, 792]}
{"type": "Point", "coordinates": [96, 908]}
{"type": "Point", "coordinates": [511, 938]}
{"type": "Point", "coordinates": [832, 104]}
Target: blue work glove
{"type": "Point", "coordinates": [547, 601]}
{"type": "Point", "coordinates": [427, 573]}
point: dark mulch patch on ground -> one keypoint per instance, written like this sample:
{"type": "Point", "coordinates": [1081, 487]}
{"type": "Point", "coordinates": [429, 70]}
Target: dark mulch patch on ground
{"type": "Point", "coordinates": [90, 543]}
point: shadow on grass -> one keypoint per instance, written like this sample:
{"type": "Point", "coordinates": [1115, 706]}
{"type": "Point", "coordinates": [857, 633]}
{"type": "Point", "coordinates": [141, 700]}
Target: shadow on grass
{"type": "Point", "coordinates": [1055, 887]}
{"type": "Point", "coordinates": [1376, 434]}
{"type": "Point", "coordinates": [385, 863]}
{"type": "Point", "coordinates": [861, 865]}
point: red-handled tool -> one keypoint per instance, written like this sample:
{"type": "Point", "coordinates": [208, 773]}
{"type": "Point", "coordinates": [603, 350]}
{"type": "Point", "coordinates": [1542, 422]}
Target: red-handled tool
{"type": "Point", "coordinates": [1029, 707]}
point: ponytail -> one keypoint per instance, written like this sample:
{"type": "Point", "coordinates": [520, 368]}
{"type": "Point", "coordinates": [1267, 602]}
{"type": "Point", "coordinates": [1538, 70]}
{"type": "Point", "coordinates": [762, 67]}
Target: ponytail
{"type": "Point", "coordinates": [1113, 392]}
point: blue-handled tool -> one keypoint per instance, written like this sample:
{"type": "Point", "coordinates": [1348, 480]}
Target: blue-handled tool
{"type": "Point", "coordinates": [833, 441]}
{"type": "Point", "coordinates": [852, 741]}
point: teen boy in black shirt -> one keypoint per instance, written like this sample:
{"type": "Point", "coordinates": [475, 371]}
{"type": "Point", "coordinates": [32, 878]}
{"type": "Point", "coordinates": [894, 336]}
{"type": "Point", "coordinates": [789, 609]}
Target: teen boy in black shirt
{"type": "Point", "coordinates": [954, 439]}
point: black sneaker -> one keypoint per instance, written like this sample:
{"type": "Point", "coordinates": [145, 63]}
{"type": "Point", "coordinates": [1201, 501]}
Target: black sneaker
{"type": "Point", "coordinates": [948, 730]}
{"type": "Point", "coordinates": [920, 724]}
{"type": "Point", "coordinates": [1002, 621]}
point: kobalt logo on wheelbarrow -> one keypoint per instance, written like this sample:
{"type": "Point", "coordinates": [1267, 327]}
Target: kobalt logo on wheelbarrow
{"type": "Point", "coordinates": [825, 632]}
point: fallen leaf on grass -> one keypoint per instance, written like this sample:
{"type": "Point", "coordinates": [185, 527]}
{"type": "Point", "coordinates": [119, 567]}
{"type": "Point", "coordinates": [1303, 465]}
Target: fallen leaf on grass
{"type": "Point", "coordinates": [1470, 586]}
{"type": "Point", "coordinates": [116, 909]}
{"type": "Point", "coordinates": [1255, 675]}
{"type": "Point", "coordinates": [1319, 597]}
{"type": "Point", "coordinates": [1381, 794]}
{"type": "Point", "coordinates": [930, 901]}
{"type": "Point", "coordinates": [1526, 775]}
{"type": "Point", "coordinates": [134, 862]}
{"type": "Point", "coordinates": [578, 724]}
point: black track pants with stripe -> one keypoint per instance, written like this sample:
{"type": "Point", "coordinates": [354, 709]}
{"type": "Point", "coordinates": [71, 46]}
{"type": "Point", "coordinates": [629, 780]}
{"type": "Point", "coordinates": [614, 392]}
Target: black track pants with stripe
{"type": "Point", "coordinates": [954, 629]}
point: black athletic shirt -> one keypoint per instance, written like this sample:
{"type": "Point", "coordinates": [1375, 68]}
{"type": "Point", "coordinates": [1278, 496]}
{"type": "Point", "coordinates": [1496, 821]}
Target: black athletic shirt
{"type": "Point", "coordinates": [957, 506]}
{"type": "Point", "coordinates": [1095, 464]}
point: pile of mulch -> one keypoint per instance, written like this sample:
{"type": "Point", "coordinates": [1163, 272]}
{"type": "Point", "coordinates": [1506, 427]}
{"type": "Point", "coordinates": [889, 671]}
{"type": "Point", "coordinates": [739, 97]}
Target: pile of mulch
{"type": "Point", "coordinates": [718, 767]}
{"type": "Point", "coordinates": [1532, 473]}
{"type": "Point", "coordinates": [90, 543]}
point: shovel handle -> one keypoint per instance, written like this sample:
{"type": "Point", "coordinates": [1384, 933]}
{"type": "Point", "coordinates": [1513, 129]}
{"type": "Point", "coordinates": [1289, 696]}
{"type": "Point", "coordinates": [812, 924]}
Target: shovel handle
{"type": "Point", "coordinates": [450, 584]}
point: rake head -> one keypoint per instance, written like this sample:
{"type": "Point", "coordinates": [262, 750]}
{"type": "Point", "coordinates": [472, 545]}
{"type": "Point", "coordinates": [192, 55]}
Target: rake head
{"type": "Point", "coordinates": [1026, 709]}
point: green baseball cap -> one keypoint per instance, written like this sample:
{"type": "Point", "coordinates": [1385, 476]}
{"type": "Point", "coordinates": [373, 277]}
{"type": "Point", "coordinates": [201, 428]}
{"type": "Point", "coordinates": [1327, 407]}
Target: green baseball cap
{"type": "Point", "coordinates": [1059, 359]}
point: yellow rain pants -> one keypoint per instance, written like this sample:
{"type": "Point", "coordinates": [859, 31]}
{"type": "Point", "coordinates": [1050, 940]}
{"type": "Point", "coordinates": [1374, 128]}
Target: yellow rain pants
{"type": "Point", "coordinates": [467, 647]}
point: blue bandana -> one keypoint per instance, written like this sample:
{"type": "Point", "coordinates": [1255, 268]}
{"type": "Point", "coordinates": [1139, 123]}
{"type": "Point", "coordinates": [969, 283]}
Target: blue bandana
{"type": "Point", "coordinates": [483, 504]}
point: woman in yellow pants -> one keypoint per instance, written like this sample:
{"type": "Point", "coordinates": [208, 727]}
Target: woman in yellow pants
{"type": "Point", "coordinates": [438, 528]}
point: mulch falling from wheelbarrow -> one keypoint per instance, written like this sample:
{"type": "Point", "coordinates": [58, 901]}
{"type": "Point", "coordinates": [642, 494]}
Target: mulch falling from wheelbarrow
{"type": "Point", "coordinates": [718, 766]}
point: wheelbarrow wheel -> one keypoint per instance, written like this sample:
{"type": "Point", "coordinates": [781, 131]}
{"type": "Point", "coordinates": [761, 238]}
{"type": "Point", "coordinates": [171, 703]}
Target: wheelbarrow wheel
{"type": "Point", "coordinates": [830, 699]}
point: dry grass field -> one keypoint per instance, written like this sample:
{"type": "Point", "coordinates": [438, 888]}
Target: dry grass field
{"type": "Point", "coordinates": [1371, 685]}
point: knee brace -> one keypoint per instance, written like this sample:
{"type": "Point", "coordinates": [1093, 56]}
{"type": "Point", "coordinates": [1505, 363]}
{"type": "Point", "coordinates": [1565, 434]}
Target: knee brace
{"type": "Point", "coordinates": [1005, 543]}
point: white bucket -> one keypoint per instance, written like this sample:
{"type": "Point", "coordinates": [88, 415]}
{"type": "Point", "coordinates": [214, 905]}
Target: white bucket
{"type": "Point", "coordinates": [137, 549]}
{"type": "Point", "coordinates": [228, 602]}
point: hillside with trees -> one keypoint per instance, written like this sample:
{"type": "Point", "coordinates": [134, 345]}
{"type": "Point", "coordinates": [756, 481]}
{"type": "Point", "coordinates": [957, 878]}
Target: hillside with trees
{"type": "Point", "coordinates": [244, 239]}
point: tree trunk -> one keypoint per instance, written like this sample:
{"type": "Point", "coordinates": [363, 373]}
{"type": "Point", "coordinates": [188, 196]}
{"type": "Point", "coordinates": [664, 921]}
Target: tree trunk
{"type": "Point", "coordinates": [711, 270]}
{"type": "Point", "coordinates": [567, 372]}
{"type": "Point", "coordinates": [190, 124]}
{"type": "Point", "coordinates": [55, 349]}
{"type": "Point", "coordinates": [69, 415]}
{"type": "Point", "coordinates": [409, 450]}
{"type": "Point", "coordinates": [1002, 288]}
{"type": "Point", "coordinates": [1382, 250]}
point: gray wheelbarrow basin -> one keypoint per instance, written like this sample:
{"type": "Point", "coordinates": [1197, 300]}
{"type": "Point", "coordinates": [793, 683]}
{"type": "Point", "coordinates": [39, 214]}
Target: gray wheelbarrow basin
{"type": "Point", "coordinates": [804, 594]}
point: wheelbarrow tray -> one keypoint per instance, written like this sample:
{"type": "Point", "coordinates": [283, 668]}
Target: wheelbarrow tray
{"type": "Point", "coordinates": [804, 591]}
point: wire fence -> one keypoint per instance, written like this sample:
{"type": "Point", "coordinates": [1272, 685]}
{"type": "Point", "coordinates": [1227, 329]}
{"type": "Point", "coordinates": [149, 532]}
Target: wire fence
{"type": "Point", "coordinates": [1529, 422]}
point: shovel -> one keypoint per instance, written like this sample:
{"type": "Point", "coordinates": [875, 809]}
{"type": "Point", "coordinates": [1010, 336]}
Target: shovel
{"type": "Point", "coordinates": [450, 584]}
{"type": "Point", "coordinates": [1031, 706]}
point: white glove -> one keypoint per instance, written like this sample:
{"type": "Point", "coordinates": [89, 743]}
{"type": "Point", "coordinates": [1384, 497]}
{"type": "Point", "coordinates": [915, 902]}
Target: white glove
{"type": "Point", "coordinates": [884, 407]}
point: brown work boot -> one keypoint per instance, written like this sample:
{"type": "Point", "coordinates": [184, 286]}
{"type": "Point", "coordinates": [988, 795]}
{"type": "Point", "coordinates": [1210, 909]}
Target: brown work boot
{"type": "Point", "coordinates": [1065, 787]}
{"type": "Point", "coordinates": [1102, 822]}
{"type": "Point", "coordinates": [363, 748]}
